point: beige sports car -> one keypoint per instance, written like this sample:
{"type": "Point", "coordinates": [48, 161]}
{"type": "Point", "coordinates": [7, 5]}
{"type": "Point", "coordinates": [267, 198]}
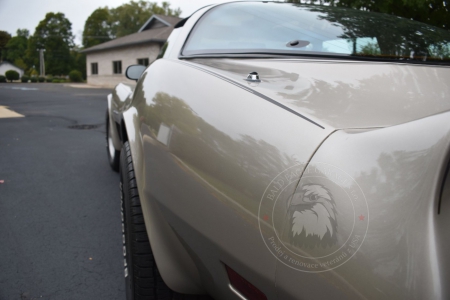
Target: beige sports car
{"type": "Point", "coordinates": [284, 151]}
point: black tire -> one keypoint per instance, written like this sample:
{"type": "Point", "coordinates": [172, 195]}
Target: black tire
{"type": "Point", "coordinates": [142, 278]}
{"type": "Point", "coordinates": [113, 154]}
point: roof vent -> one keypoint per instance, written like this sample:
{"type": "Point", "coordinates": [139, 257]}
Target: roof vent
{"type": "Point", "coordinates": [297, 44]}
{"type": "Point", "coordinates": [253, 77]}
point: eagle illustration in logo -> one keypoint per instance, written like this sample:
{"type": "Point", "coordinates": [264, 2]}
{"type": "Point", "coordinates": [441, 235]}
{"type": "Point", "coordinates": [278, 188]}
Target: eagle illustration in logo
{"type": "Point", "coordinates": [312, 217]}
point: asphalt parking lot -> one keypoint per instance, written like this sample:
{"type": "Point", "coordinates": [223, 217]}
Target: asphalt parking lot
{"type": "Point", "coordinates": [60, 228]}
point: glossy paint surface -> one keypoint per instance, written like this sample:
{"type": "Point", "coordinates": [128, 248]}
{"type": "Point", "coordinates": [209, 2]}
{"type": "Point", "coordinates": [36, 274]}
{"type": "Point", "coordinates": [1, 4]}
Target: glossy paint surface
{"type": "Point", "coordinates": [209, 171]}
{"type": "Point", "coordinates": [346, 94]}
{"type": "Point", "coordinates": [398, 169]}
{"type": "Point", "coordinates": [206, 146]}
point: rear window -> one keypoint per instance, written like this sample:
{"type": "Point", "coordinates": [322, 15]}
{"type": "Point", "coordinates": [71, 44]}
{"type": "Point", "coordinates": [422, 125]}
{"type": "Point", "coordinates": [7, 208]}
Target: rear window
{"type": "Point", "coordinates": [293, 29]}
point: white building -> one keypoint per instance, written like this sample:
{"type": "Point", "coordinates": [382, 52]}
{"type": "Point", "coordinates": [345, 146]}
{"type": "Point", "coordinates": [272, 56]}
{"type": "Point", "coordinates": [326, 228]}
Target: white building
{"type": "Point", "coordinates": [107, 62]}
{"type": "Point", "coordinates": [6, 66]}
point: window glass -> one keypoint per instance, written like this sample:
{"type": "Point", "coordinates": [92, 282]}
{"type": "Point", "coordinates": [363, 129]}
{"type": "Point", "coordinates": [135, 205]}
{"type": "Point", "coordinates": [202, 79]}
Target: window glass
{"type": "Point", "coordinates": [286, 28]}
{"type": "Point", "coordinates": [117, 67]}
{"type": "Point", "coordinates": [143, 61]}
{"type": "Point", "coordinates": [94, 68]}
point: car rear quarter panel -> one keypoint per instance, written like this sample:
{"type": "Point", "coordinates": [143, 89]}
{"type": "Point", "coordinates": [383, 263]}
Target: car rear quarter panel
{"type": "Point", "coordinates": [346, 93]}
{"type": "Point", "coordinates": [204, 151]}
{"type": "Point", "coordinates": [400, 170]}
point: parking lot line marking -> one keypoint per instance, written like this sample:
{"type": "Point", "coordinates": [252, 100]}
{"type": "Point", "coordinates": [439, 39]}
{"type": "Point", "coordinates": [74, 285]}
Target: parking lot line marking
{"type": "Point", "coordinates": [7, 113]}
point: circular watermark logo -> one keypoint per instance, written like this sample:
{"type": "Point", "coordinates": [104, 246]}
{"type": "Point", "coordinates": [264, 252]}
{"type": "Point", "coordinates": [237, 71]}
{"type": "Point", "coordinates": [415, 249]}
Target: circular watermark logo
{"type": "Point", "coordinates": [314, 224]}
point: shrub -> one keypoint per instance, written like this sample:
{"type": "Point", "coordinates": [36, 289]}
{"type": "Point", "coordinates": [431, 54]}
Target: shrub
{"type": "Point", "coordinates": [55, 81]}
{"type": "Point", "coordinates": [25, 78]}
{"type": "Point", "coordinates": [41, 79]}
{"type": "Point", "coordinates": [75, 76]}
{"type": "Point", "coordinates": [2, 78]}
{"type": "Point", "coordinates": [33, 79]}
{"type": "Point", "coordinates": [49, 79]}
{"type": "Point", "coordinates": [33, 73]}
{"type": "Point", "coordinates": [12, 75]}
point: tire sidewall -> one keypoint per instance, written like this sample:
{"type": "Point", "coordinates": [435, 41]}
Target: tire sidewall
{"type": "Point", "coordinates": [126, 225]}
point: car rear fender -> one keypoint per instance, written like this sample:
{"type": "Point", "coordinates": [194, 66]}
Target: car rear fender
{"type": "Point", "coordinates": [174, 263]}
{"type": "Point", "coordinates": [396, 176]}
{"type": "Point", "coordinates": [205, 150]}
{"type": "Point", "coordinates": [113, 128]}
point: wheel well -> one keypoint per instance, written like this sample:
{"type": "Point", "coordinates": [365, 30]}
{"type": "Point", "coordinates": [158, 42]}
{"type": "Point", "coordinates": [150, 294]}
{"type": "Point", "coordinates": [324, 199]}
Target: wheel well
{"type": "Point", "coordinates": [123, 132]}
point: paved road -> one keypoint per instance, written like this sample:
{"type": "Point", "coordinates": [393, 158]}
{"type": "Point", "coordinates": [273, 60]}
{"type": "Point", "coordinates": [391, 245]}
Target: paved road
{"type": "Point", "coordinates": [60, 229]}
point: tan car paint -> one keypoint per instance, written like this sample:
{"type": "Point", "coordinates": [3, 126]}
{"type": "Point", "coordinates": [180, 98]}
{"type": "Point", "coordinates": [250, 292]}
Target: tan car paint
{"type": "Point", "coordinates": [209, 177]}
{"type": "Point", "coordinates": [203, 180]}
{"type": "Point", "coordinates": [115, 137]}
{"type": "Point", "coordinates": [346, 94]}
{"type": "Point", "coordinates": [403, 256]}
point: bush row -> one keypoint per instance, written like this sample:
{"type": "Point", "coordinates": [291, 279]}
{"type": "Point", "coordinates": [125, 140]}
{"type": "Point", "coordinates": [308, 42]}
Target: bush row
{"type": "Point", "coordinates": [43, 79]}
{"type": "Point", "coordinates": [74, 76]}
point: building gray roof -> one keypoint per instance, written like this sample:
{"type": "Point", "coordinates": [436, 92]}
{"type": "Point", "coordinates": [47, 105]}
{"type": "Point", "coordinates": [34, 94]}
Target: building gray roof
{"type": "Point", "coordinates": [157, 21]}
{"type": "Point", "coordinates": [156, 30]}
{"type": "Point", "coordinates": [5, 62]}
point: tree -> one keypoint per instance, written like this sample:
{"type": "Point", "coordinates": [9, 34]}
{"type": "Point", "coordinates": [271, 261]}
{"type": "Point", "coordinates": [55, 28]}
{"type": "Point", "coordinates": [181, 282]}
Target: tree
{"type": "Point", "coordinates": [54, 34]}
{"type": "Point", "coordinates": [313, 2]}
{"type": "Point", "coordinates": [16, 48]}
{"type": "Point", "coordinates": [105, 24]}
{"type": "Point", "coordinates": [97, 28]}
{"type": "Point", "coordinates": [4, 38]}
{"type": "Point", "coordinates": [129, 18]}
{"type": "Point", "coordinates": [23, 33]}
{"type": "Point", "coordinates": [404, 42]}
{"type": "Point", "coordinates": [433, 12]}
{"type": "Point", "coordinates": [78, 61]}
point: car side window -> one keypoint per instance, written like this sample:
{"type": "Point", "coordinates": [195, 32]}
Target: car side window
{"type": "Point", "coordinates": [294, 29]}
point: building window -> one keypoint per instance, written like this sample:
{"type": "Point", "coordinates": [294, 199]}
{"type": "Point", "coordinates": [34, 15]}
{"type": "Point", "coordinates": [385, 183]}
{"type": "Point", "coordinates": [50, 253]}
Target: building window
{"type": "Point", "coordinates": [94, 68]}
{"type": "Point", "coordinates": [142, 61]}
{"type": "Point", "coordinates": [117, 67]}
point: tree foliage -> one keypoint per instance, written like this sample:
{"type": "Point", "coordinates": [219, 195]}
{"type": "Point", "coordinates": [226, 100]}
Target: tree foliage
{"type": "Point", "coordinates": [4, 38]}
{"type": "Point", "coordinates": [16, 48]}
{"type": "Point", "coordinates": [54, 34]}
{"type": "Point", "coordinates": [433, 12]}
{"type": "Point", "coordinates": [78, 61]}
{"type": "Point", "coordinates": [409, 37]}
{"type": "Point", "coordinates": [129, 17]}
{"type": "Point", "coordinates": [97, 28]}
{"type": "Point", "coordinates": [23, 33]}
{"type": "Point", "coordinates": [105, 24]}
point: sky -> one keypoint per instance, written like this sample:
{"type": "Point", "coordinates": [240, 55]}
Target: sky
{"type": "Point", "coordinates": [15, 14]}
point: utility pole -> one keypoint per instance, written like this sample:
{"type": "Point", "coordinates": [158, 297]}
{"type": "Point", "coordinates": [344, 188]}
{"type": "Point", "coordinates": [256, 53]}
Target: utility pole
{"type": "Point", "coordinates": [41, 62]}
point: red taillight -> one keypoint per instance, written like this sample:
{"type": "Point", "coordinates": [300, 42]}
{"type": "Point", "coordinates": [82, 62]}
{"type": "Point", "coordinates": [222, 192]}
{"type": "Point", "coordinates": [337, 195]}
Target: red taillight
{"type": "Point", "coordinates": [245, 288]}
